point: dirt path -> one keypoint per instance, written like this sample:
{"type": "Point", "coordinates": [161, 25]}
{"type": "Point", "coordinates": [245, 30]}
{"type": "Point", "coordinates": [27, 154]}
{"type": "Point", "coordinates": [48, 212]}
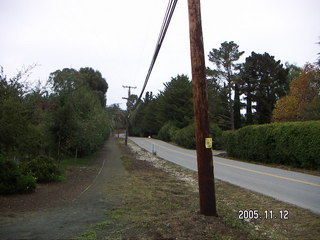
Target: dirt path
{"type": "Point", "coordinates": [67, 221]}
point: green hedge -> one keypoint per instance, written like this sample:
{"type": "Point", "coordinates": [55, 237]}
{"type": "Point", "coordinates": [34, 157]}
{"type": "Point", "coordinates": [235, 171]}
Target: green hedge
{"type": "Point", "coordinates": [294, 143]}
{"type": "Point", "coordinates": [185, 137]}
{"type": "Point", "coordinates": [216, 134]}
{"type": "Point", "coordinates": [167, 131]}
{"type": "Point", "coordinates": [12, 180]}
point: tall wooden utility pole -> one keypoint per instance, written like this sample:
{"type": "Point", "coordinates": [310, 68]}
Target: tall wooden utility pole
{"type": "Point", "coordinates": [127, 117]}
{"type": "Point", "coordinates": [200, 104]}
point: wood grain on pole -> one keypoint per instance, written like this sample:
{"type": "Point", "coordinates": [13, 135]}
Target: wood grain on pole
{"type": "Point", "coordinates": [200, 103]}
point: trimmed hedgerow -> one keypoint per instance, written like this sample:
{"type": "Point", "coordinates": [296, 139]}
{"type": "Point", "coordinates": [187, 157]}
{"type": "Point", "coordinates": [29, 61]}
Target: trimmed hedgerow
{"type": "Point", "coordinates": [43, 169]}
{"type": "Point", "coordinates": [294, 143]}
{"type": "Point", "coordinates": [12, 180]}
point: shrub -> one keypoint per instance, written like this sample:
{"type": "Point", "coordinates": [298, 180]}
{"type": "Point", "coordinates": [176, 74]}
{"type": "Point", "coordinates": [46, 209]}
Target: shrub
{"type": "Point", "coordinates": [185, 137]}
{"type": "Point", "coordinates": [299, 142]}
{"type": "Point", "coordinates": [12, 180]}
{"type": "Point", "coordinates": [167, 131]}
{"type": "Point", "coordinates": [294, 144]}
{"type": "Point", "coordinates": [43, 168]}
{"type": "Point", "coordinates": [216, 134]}
{"type": "Point", "coordinates": [229, 141]}
{"type": "Point", "coordinates": [25, 184]}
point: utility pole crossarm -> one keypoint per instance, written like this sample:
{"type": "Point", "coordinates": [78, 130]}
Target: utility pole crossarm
{"type": "Point", "coordinates": [129, 91]}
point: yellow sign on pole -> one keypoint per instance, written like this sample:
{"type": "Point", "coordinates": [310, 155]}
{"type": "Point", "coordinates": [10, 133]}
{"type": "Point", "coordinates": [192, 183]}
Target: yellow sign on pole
{"type": "Point", "coordinates": [208, 142]}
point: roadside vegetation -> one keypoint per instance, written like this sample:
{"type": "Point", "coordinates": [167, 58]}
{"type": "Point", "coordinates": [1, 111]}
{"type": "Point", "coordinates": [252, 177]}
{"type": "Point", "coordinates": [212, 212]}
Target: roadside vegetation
{"type": "Point", "coordinates": [162, 203]}
{"type": "Point", "coordinates": [294, 144]}
{"type": "Point", "coordinates": [79, 162]}
{"type": "Point", "coordinates": [44, 130]}
{"type": "Point", "coordinates": [243, 97]}
{"type": "Point", "coordinates": [40, 126]}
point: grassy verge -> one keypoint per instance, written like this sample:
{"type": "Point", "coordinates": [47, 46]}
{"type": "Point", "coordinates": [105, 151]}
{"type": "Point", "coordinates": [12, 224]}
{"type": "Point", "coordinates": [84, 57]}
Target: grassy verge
{"type": "Point", "coordinates": [154, 204]}
{"type": "Point", "coordinates": [79, 162]}
{"type": "Point", "coordinates": [68, 163]}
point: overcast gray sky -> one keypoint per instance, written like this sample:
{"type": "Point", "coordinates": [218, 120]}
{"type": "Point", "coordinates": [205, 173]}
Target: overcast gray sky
{"type": "Point", "coordinates": [117, 37]}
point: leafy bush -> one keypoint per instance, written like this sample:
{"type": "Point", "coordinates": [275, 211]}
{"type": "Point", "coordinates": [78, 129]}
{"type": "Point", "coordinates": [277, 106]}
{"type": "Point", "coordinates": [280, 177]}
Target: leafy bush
{"type": "Point", "coordinates": [229, 140]}
{"type": "Point", "coordinates": [167, 131]}
{"type": "Point", "coordinates": [12, 180]}
{"type": "Point", "coordinates": [43, 168]}
{"type": "Point", "coordinates": [216, 134]}
{"type": "Point", "coordinates": [294, 144]}
{"type": "Point", "coordinates": [185, 137]}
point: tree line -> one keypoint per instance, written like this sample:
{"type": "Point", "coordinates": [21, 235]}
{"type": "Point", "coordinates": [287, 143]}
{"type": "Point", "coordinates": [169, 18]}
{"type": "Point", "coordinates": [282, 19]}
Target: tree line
{"type": "Point", "coordinates": [240, 94]}
{"type": "Point", "coordinates": [41, 126]}
{"type": "Point", "coordinates": [67, 119]}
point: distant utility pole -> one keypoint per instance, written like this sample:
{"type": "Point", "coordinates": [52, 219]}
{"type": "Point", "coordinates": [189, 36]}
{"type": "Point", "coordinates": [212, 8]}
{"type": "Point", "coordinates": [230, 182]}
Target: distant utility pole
{"type": "Point", "coordinates": [116, 118]}
{"type": "Point", "coordinates": [200, 104]}
{"type": "Point", "coordinates": [127, 117]}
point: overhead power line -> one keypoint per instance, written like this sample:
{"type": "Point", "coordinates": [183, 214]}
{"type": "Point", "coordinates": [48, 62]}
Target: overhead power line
{"type": "Point", "coordinates": [166, 21]}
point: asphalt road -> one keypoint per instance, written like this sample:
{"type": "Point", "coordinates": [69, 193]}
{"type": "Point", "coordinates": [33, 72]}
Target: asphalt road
{"type": "Point", "coordinates": [300, 189]}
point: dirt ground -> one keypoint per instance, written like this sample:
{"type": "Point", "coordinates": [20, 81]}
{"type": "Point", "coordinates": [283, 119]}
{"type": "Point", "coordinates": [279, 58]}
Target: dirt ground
{"type": "Point", "coordinates": [62, 210]}
{"type": "Point", "coordinates": [128, 193]}
{"type": "Point", "coordinates": [159, 200]}
{"type": "Point", "coordinates": [48, 195]}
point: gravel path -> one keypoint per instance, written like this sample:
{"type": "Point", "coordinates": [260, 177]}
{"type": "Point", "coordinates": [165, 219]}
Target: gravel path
{"type": "Point", "coordinates": [67, 221]}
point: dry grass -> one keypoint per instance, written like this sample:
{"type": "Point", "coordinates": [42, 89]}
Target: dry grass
{"type": "Point", "coordinates": [159, 200]}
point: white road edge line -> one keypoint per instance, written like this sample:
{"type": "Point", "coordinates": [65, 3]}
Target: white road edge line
{"type": "Point", "coordinates": [242, 168]}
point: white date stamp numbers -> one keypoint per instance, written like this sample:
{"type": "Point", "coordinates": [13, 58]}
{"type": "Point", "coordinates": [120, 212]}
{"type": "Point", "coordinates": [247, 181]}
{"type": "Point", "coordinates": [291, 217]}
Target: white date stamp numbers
{"type": "Point", "coordinates": [266, 214]}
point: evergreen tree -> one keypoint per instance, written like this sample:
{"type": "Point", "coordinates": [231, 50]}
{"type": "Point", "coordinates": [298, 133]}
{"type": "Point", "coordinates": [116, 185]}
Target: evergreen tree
{"type": "Point", "coordinates": [263, 81]}
{"type": "Point", "coordinates": [175, 102]}
{"type": "Point", "coordinates": [217, 100]}
{"type": "Point", "coordinates": [224, 58]}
